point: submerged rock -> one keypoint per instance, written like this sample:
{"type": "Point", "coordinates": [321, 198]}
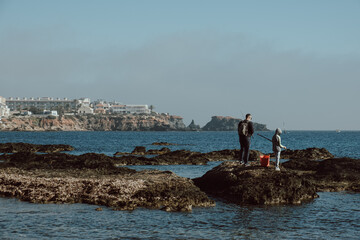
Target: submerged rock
{"type": "Point", "coordinates": [139, 150]}
{"type": "Point", "coordinates": [164, 144]}
{"type": "Point", "coordinates": [256, 185]}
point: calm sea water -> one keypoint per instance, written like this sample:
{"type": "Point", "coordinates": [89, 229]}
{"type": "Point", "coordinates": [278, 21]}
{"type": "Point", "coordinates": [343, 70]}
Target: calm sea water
{"type": "Point", "coordinates": [332, 216]}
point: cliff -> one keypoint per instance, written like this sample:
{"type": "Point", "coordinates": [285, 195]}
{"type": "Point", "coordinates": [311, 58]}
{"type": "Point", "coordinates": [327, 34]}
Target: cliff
{"type": "Point", "coordinates": [219, 123]}
{"type": "Point", "coordinates": [160, 122]}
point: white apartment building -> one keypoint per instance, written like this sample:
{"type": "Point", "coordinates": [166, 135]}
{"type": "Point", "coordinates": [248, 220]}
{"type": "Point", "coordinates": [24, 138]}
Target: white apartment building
{"type": "Point", "coordinates": [136, 109]}
{"type": "Point", "coordinates": [85, 109]}
{"type": "Point", "coordinates": [119, 108]}
{"type": "Point", "coordinates": [84, 101]}
{"type": "Point", "coordinates": [45, 103]}
{"type": "Point", "coordinates": [4, 110]}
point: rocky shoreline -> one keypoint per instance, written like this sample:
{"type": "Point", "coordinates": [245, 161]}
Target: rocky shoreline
{"type": "Point", "coordinates": [125, 122]}
{"type": "Point", "coordinates": [95, 178]}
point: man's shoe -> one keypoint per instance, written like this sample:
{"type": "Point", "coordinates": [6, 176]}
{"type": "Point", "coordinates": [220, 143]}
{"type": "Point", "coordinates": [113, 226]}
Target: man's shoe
{"type": "Point", "coordinates": [277, 169]}
{"type": "Point", "coordinates": [241, 163]}
{"type": "Point", "coordinates": [247, 165]}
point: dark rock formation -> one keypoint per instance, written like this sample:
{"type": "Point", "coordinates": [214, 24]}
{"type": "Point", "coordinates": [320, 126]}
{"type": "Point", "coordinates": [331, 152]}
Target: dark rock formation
{"type": "Point", "coordinates": [158, 152]}
{"type": "Point", "coordinates": [153, 189]}
{"type": "Point", "coordinates": [183, 157]}
{"type": "Point", "coordinates": [231, 154]}
{"type": "Point", "coordinates": [28, 160]}
{"type": "Point", "coordinates": [170, 158]}
{"type": "Point", "coordinates": [309, 154]}
{"type": "Point", "coordinates": [298, 181]}
{"type": "Point", "coordinates": [139, 150]}
{"type": "Point", "coordinates": [27, 147]}
{"type": "Point", "coordinates": [336, 174]}
{"type": "Point", "coordinates": [142, 151]}
{"type": "Point", "coordinates": [256, 185]}
{"type": "Point", "coordinates": [167, 157]}
{"type": "Point", "coordinates": [219, 123]}
{"type": "Point", "coordinates": [94, 179]}
{"type": "Point", "coordinates": [193, 127]}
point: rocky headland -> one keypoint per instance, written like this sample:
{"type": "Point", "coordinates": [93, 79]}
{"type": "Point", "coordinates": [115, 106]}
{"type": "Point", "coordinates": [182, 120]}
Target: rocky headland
{"type": "Point", "coordinates": [128, 122]}
{"type": "Point", "coordinates": [125, 122]}
{"type": "Point", "coordinates": [220, 123]}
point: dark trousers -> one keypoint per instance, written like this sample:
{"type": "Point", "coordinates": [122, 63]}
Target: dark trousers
{"type": "Point", "coordinates": [244, 148]}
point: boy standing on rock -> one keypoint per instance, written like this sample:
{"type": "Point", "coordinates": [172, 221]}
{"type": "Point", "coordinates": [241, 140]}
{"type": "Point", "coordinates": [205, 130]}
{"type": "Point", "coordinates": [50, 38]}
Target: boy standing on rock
{"type": "Point", "coordinates": [245, 131]}
{"type": "Point", "coordinates": [276, 141]}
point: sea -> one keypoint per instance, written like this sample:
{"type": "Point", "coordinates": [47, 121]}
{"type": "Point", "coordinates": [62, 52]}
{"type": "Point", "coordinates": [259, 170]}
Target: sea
{"type": "Point", "coordinates": [334, 215]}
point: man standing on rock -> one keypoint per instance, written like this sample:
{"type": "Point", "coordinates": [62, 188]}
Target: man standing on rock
{"type": "Point", "coordinates": [276, 141]}
{"type": "Point", "coordinates": [245, 131]}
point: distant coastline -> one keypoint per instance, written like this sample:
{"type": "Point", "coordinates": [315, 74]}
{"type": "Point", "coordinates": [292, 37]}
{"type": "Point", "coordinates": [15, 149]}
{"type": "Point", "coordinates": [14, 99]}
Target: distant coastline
{"type": "Point", "coordinates": [122, 122]}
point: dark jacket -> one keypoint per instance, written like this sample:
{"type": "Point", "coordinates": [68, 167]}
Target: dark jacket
{"type": "Point", "coordinates": [250, 128]}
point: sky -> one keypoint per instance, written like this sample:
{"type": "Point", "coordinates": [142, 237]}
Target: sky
{"type": "Point", "coordinates": [291, 64]}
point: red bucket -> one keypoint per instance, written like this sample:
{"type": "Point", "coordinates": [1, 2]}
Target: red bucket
{"type": "Point", "coordinates": [265, 160]}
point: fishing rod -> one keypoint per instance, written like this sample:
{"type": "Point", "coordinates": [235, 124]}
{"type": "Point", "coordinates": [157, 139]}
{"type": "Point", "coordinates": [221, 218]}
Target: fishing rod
{"type": "Point", "coordinates": [265, 137]}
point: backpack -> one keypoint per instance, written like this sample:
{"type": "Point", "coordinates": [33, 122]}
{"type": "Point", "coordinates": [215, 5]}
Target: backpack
{"type": "Point", "coordinates": [243, 128]}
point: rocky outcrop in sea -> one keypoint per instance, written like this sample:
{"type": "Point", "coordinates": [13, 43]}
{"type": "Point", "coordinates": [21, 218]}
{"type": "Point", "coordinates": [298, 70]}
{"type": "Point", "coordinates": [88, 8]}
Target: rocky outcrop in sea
{"type": "Point", "coordinates": [96, 179]}
{"type": "Point", "coordinates": [220, 123]}
{"type": "Point", "coordinates": [255, 185]}
{"type": "Point", "coordinates": [27, 147]}
{"type": "Point", "coordinates": [194, 127]}
{"type": "Point", "coordinates": [298, 181]}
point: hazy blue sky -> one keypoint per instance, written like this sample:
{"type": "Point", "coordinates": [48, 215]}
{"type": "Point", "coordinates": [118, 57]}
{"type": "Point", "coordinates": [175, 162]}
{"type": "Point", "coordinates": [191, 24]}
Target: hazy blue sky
{"type": "Point", "coordinates": [289, 61]}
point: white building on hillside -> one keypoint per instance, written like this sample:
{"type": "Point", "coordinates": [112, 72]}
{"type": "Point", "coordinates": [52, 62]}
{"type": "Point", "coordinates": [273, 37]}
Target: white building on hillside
{"type": "Point", "coordinates": [84, 101]}
{"type": "Point", "coordinates": [4, 110]}
{"type": "Point", "coordinates": [138, 109]}
{"type": "Point", "coordinates": [85, 109]}
{"type": "Point", "coordinates": [41, 103]}
{"type": "Point", "coordinates": [132, 109]}
{"type": "Point", "coordinates": [118, 108]}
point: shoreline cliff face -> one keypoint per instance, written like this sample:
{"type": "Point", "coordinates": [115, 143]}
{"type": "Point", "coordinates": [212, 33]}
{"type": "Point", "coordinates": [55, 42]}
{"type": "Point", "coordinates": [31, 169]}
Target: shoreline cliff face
{"type": "Point", "coordinates": [219, 123]}
{"type": "Point", "coordinates": [160, 122]}
{"type": "Point", "coordinates": [128, 122]}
